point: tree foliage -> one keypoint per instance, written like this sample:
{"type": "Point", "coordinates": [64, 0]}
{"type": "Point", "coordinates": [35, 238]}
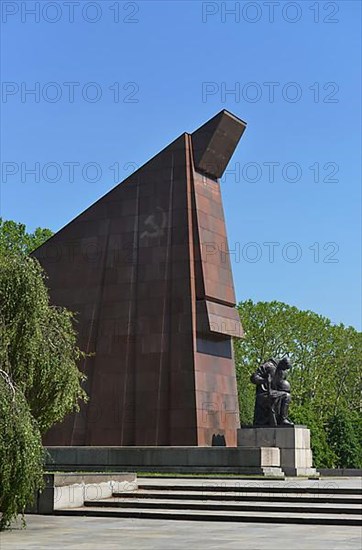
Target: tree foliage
{"type": "Point", "coordinates": [326, 377]}
{"type": "Point", "coordinates": [15, 239]}
{"type": "Point", "coordinates": [39, 378]}
{"type": "Point", "coordinates": [21, 452]}
{"type": "Point", "coordinates": [345, 437]}
{"type": "Point", "coordinates": [40, 342]}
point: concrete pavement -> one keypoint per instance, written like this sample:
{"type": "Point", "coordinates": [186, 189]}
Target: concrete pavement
{"type": "Point", "coordinates": [78, 533]}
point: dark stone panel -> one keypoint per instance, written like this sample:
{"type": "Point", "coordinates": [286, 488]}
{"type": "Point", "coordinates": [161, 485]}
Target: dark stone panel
{"type": "Point", "coordinates": [215, 142]}
{"type": "Point", "coordinates": [220, 347]}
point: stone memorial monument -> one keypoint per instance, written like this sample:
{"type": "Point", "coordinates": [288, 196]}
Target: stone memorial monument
{"type": "Point", "coordinates": [147, 270]}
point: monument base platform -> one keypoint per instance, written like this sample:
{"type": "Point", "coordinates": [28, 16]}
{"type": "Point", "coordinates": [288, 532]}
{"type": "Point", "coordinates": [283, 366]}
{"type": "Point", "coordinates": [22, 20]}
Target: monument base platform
{"type": "Point", "coordinates": [294, 444]}
{"type": "Point", "coordinates": [261, 461]}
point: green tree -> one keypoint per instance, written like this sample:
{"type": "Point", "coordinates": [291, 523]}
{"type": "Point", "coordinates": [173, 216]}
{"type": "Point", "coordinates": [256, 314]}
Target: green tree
{"type": "Point", "coordinates": [40, 381]}
{"type": "Point", "coordinates": [327, 359]}
{"type": "Point", "coordinates": [15, 239]}
{"type": "Point", "coordinates": [21, 452]}
{"type": "Point", "coordinates": [344, 433]}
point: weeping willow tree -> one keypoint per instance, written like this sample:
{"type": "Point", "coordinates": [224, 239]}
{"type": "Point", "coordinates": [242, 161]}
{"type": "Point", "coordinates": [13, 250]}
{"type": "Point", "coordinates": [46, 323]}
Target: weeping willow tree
{"type": "Point", "coordinates": [39, 378]}
{"type": "Point", "coordinates": [21, 452]}
{"type": "Point", "coordinates": [326, 377]}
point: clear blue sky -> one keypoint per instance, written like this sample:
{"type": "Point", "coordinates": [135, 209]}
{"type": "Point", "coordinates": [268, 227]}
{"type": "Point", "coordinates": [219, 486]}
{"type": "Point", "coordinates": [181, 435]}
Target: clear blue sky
{"type": "Point", "coordinates": [177, 61]}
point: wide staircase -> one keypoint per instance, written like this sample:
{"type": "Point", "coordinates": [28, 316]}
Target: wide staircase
{"type": "Point", "coordinates": [323, 502]}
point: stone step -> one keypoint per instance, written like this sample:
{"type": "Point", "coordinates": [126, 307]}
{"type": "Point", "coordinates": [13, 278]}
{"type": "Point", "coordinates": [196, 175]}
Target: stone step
{"type": "Point", "coordinates": [221, 505]}
{"type": "Point", "coordinates": [313, 490]}
{"type": "Point", "coordinates": [237, 496]}
{"type": "Point", "coordinates": [214, 516]}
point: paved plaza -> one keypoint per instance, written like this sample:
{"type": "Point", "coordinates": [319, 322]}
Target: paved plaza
{"type": "Point", "coordinates": [77, 533]}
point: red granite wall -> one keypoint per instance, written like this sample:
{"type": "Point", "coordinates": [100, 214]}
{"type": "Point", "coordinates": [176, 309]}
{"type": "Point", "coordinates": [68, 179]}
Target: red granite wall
{"type": "Point", "coordinates": [155, 307]}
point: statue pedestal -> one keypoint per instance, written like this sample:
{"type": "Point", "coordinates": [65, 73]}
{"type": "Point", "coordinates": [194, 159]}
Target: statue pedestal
{"type": "Point", "coordinates": [293, 442]}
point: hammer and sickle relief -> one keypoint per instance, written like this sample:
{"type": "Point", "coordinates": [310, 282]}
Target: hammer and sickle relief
{"type": "Point", "coordinates": [155, 223]}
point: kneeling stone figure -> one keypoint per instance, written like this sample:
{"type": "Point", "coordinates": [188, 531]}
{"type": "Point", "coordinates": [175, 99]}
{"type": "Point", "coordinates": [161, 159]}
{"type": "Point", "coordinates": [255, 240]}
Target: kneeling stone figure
{"type": "Point", "coordinates": [272, 393]}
